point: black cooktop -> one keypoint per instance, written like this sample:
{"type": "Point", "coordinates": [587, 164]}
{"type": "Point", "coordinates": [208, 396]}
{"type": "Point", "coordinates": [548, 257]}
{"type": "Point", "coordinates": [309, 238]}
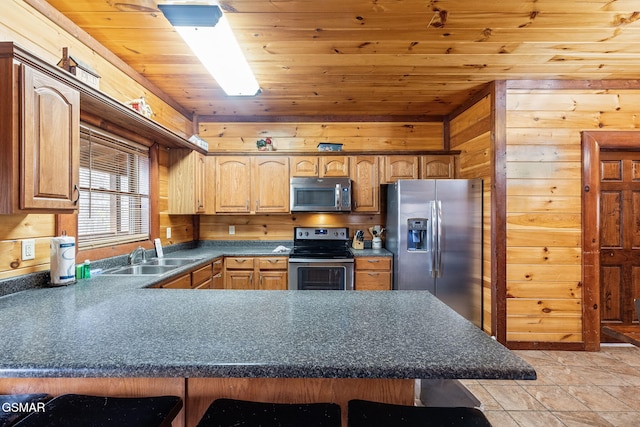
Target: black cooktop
{"type": "Point", "coordinates": [321, 242]}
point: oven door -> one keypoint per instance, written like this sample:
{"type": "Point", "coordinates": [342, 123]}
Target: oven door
{"type": "Point", "coordinates": [317, 274]}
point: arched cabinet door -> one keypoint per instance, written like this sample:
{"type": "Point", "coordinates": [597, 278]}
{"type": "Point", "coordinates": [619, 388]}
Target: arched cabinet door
{"type": "Point", "coordinates": [50, 143]}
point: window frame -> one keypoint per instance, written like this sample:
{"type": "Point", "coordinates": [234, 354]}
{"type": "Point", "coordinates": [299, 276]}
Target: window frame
{"type": "Point", "coordinates": [68, 223]}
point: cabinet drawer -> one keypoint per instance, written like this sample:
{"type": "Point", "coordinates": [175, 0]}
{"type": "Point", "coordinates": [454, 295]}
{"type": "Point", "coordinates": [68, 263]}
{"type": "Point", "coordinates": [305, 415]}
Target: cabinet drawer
{"type": "Point", "coordinates": [374, 263]}
{"type": "Point", "coordinates": [373, 280]}
{"type": "Point", "coordinates": [273, 263]}
{"type": "Point", "coordinates": [183, 282]}
{"type": "Point", "coordinates": [201, 275]}
{"type": "Point", "coordinates": [239, 263]}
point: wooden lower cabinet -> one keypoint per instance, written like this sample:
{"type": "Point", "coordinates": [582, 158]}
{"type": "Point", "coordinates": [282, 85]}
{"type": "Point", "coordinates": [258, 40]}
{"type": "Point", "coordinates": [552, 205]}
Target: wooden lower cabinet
{"type": "Point", "coordinates": [273, 273]}
{"type": "Point", "coordinates": [263, 273]}
{"type": "Point", "coordinates": [218, 273]}
{"type": "Point", "coordinates": [202, 278]}
{"type": "Point", "coordinates": [372, 273]}
{"type": "Point", "coordinates": [198, 278]}
{"type": "Point", "coordinates": [182, 282]}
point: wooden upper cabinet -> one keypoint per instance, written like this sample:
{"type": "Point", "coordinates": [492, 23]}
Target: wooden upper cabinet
{"type": "Point", "coordinates": [334, 166]}
{"type": "Point", "coordinates": [320, 166]}
{"type": "Point", "coordinates": [39, 141]}
{"type": "Point", "coordinates": [187, 182]}
{"type": "Point", "coordinates": [400, 167]}
{"type": "Point", "coordinates": [270, 184]}
{"type": "Point", "coordinates": [252, 184]}
{"type": "Point", "coordinates": [233, 184]}
{"type": "Point", "coordinates": [304, 166]}
{"type": "Point", "coordinates": [437, 166]}
{"type": "Point", "coordinates": [366, 183]}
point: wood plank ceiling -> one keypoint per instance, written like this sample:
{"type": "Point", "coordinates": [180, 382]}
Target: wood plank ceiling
{"type": "Point", "coordinates": [372, 57]}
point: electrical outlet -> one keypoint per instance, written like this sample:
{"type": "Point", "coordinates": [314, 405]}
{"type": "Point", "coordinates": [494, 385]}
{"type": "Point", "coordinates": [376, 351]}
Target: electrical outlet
{"type": "Point", "coordinates": [232, 229]}
{"type": "Point", "coordinates": [28, 249]}
{"type": "Point", "coordinates": [168, 232]}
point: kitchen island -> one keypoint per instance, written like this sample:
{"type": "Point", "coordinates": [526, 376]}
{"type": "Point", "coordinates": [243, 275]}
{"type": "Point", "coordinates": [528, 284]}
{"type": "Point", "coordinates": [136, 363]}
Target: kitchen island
{"type": "Point", "coordinates": [110, 336]}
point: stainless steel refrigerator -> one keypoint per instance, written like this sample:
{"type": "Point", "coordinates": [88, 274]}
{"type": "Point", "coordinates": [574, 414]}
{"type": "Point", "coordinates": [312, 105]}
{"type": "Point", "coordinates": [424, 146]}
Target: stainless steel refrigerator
{"type": "Point", "coordinates": [434, 229]}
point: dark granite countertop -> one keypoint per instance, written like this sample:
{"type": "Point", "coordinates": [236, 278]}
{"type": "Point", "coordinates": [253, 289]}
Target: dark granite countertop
{"type": "Point", "coordinates": [114, 326]}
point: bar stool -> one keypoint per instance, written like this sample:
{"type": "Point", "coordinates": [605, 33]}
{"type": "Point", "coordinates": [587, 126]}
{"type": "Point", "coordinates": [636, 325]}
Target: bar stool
{"type": "Point", "coordinates": [14, 407]}
{"type": "Point", "coordinates": [363, 413]}
{"type": "Point", "coordinates": [242, 413]}
{"type": "Point", "coordinates": [96, 411]}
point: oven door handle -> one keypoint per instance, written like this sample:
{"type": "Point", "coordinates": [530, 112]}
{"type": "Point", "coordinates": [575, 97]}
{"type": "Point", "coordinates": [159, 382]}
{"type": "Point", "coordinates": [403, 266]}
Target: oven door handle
{"type": "Point", "coordinates": [321, 260]}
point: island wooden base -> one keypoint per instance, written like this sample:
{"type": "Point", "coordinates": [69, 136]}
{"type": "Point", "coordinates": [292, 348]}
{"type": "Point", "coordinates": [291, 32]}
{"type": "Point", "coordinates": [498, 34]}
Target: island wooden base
{"type": "Point", "coordinates": [198, 393]}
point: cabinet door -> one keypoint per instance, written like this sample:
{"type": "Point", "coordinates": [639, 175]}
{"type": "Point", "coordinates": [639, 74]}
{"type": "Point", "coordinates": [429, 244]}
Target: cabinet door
{"type": "Point", "coordinates": [304, 166]}
{"type": "Point", "coordinates": [218, 277]}
{"type": "Point", "coordinates": [400, 167]}
{"type": "Point", "coordinates": [337, 166]}
{"type": "Point", "coordinates": [187, 183]}
{"type": "Point", "coordinates": [270, 184]}
{"type": "Point", "coordinates": [50, 145]}
{"type": "Point", "coordinates": [366, 183]}
{"type": "Point", "coordinates": [238, 279]}
{"type": "Point", "coordinates": [273, 280]}
{"type": "Point", "coordinates": [437, 167]}
{"type": "Point", "coordinates": [233, 184]}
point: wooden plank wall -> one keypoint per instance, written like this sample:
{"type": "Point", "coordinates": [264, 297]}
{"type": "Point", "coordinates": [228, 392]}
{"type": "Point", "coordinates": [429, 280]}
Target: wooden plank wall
{"type": "Point", "coordinates": [470, 132]}
{"type": "Point", "coordinates": [394, 137]}
{"type": "Point", "coordinates": [34, 32]}
{"type": "Point", "coordinates": [544, 200]}
{"type": "Point", "coordinates": [280, 227]}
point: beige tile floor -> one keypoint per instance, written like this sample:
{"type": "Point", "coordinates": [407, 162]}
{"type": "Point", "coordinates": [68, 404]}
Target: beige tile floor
{"type": "Point", "coordinates": [573, 388]}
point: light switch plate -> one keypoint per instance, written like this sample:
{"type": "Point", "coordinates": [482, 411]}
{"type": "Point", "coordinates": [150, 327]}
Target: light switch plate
{"type": "Point", "coordinates": [28, 249]}
{"type": "Point", "coordinates": [168, 232]}
{"type": "Point", "coordinates": [232, 229]}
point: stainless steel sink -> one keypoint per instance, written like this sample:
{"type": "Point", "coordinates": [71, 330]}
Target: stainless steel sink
{"type": "Point", "coordinates": [172, 261]}
{"type": "Point", "coordinates": [141, 269]}
{"type": "Point", "coordinates": [154, 266]}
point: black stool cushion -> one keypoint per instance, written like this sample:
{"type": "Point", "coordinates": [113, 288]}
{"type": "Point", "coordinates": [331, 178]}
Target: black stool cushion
{"type": "Point", "coordinates": [95, 411]}
{"type": "Point", "coordinates": [363, 413]}
{"type": "Point", "coordinates": [242, 413]}
{"type": "Point", "coordinates": [14, 407]}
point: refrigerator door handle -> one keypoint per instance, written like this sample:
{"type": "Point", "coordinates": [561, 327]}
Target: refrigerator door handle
{"type": "Point", "coordinates": [433, 244]}
{"type": "Point", "coordinates": [439, 238]}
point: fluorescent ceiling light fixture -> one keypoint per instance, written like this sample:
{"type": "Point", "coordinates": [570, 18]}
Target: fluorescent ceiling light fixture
{"type": "Point", "coordinates": [206, 30]}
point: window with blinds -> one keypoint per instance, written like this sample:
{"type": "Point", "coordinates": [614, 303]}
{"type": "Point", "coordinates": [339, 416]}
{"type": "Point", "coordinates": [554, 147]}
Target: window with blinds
{"type": "Point", "coordinates": [114, 190]}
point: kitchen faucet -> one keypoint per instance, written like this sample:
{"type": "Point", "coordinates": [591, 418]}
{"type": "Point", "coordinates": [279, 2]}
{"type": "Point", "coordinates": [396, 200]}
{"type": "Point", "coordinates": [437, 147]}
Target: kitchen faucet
{"type": "Point", "coordinates": [136, 251]}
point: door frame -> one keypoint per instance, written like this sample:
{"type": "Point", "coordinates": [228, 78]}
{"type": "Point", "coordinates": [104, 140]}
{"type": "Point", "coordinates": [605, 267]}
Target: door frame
{"type": "Point", "coordinates": [592, 143]}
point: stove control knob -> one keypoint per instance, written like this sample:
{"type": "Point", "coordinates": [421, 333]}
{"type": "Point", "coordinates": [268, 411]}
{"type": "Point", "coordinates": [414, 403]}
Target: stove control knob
{"type": "Point", "coordinates": [306, 233]}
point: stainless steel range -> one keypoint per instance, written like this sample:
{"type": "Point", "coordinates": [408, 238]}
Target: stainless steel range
{"type": "Point", "coordinates": [321, 259]}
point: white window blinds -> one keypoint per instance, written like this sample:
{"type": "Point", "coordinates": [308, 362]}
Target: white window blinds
{"type": "Point", "coordinates": [114, 190]}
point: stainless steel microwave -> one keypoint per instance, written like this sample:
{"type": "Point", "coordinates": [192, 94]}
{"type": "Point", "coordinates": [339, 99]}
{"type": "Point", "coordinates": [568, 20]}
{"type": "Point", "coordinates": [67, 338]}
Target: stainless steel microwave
{"type": "Point", "coordinates": [320, 195]}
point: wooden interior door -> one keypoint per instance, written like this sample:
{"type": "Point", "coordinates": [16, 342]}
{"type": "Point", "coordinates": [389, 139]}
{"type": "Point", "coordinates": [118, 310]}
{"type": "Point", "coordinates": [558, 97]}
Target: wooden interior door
{"type": "Point", "coordinates": [619, 236]}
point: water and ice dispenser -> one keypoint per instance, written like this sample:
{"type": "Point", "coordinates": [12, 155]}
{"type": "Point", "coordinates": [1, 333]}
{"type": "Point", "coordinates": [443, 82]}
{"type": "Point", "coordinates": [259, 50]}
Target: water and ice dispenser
{"type": "Point", "coordinates": [418, 232]}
